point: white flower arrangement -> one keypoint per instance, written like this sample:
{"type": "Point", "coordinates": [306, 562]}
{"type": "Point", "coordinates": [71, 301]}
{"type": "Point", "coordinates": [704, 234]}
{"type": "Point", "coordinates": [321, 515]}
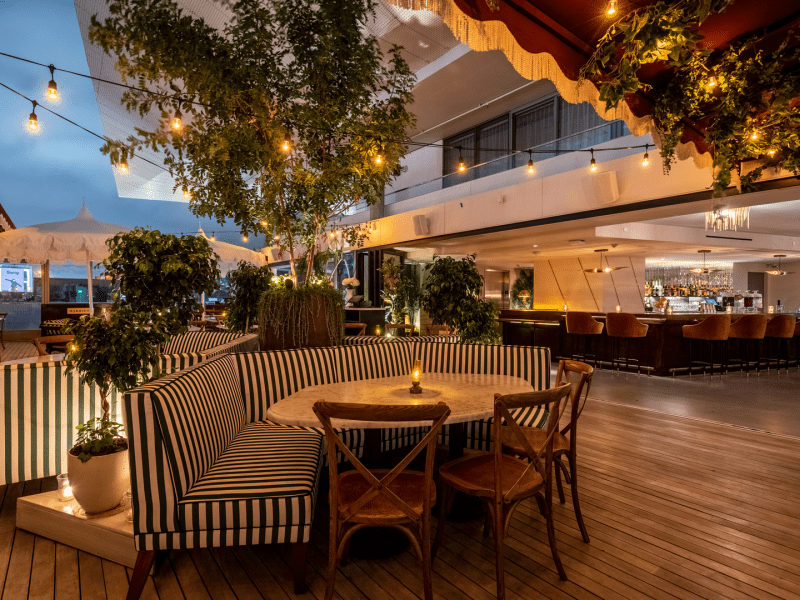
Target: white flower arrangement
{"type": "Point", "coordinates": [351, 283]}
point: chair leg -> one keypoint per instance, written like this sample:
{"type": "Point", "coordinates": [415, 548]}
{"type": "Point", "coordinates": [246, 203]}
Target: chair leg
{"type": "Point", "coordinates": [564, 470]}
{"type": "Point", "coordinates": [427, 585]}
{"type": "Point", "coordinates": [299, 554]}
{"type": "Point", "coordinates": [144, 560]}
{"type": "Point", "coordinates": [499, 531]}
{"type": "Point", "coordinates": [442, 520]}
{"type": "Point", "coordinates": [551, 531]}
{"type": "Point", "coordinates": [558, 466]}
{"type": "Point", "coordinates": [691, 358]}
{"type": "Point", "coordinates": [333, 550]}
{"type": "Point", "coordinates": [576, 505]}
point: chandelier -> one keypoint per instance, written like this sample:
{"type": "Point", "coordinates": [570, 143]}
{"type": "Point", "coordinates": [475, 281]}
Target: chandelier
{"type": "Point", "coordinates": [722, 218]}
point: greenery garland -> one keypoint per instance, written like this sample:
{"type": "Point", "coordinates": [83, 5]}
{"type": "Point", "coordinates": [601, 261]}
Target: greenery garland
{"type": "Point", "coordinates": [745, 100]}
{"type": "Point", "coordinates": [285, 308]}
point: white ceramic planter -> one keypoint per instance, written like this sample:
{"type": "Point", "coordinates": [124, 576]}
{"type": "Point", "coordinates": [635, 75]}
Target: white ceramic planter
{"type": "Point", "coordinates": [99, 483]}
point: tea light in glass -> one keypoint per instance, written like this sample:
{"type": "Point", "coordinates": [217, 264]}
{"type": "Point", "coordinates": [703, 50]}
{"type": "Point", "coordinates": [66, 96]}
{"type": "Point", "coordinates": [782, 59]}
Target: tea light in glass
{"type": "Point", "coordinates": [669, 310]}
{"type": "Point", "coordinates": [729, 309]}
{"type": "Point", "coordinates": [416, 377]}
{"type": "Point", "coordinates": [127, 504]}
{"type": "Point", "coordinates": [771, 310]}
{"type": "Point", "coordinates": [619, 308]}
{"type": "Point", "coordinates": [64, 488]}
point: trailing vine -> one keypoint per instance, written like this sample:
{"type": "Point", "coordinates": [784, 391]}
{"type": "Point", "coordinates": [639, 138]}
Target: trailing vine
{"type": "Point", "coordinates": [288, 309]}
{"type": "Point", "coordinates": [742, 99]}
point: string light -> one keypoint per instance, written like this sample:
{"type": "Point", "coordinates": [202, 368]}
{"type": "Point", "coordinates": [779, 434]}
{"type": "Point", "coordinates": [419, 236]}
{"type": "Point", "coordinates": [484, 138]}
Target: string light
{"type": "Point", "coordinates": [612, 8]}
{"type": "Point", "coordinates": [213, 237]}
{"type": "Point", "coordinates": [461, 166]}
{"type": "Point", "coordinates": [593, 162]}
{"type": "Point", "coordinates": [531, 168]}
{"type": "Point", "coordinates": [177, 123]}
{"type": "Point", "coordinates": [712, 81]}
{"type": "Point", "coordinates": [287, 143]}
{"type": "Point", "coordinates": [646, 159]}
{"type": "Point", "coordinates": [186, 194]}
{"type": "Point", "coordinates": [52, 88]}
{"type": "Point", "coordinates": [277, 238]}
{"type": "Point", "coordinates": [33, 121]}
{"type": "Point", "coordinates": [123, 166]}
{"type": "Point", "coordinates": [771, 151]}
{"type": "Point", "coordinates": [244, 238]}
{"type": "Point", "coordinates": [754, 135]}
{"type": "Point", "coordinates": [264, 223]}
{"type": "Point", "coordinates": [379, 157]}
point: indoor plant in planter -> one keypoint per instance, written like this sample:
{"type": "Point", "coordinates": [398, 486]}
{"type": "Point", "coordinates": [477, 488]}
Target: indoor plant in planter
{"type": "Point", "coordinates": [451, 297]}
{"type": "Point", "coordinates": [111, 354]}
{"type": "Point", "coordinates": [350, 284]}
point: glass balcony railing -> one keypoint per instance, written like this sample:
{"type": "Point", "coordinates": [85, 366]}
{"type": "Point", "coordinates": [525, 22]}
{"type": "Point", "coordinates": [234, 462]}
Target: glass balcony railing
{"type": "Point", "coordinates": [579, 141]}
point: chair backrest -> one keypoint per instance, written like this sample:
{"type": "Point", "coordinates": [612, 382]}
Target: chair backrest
{"type": "Point", "coordinates": [421, 414]}
{"type": "Point", "coordinates": [780, 326]}
{"type": "Point", "coordinates": [503, 405]}
{"type": "Point", "coordinates": [624, 325]}
{"type": "Point", "coordinates": [579, 376]}
{"type": "Point", "coordinates": [583, 323]}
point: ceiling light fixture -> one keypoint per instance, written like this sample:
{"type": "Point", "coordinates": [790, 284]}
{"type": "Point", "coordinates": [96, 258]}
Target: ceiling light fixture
{"type": "Point", "coordinates": [704, 270]}
{"type": "Point", "coordinates": [779, 272]}
{"type": "Point", "coordinates": [721, 218]}
{"type": "Point", "coordinates": [602, 269]}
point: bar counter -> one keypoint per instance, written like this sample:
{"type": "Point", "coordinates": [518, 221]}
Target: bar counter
{"type": "Point", "coordinates": [664, 350]}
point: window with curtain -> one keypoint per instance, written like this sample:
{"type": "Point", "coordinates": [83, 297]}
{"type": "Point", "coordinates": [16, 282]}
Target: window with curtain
{"type": "Point", "coordinates": [451, 174]}
{"type": "Point", "coordinates": [534, 127]}
{"type": "Point", "coordinates": [492, 147]}
{"type": "Point", "coordinates": [581, 127]}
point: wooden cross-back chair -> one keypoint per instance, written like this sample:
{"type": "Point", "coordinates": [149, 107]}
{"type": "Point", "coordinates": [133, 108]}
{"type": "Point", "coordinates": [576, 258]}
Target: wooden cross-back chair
{"type": "Point", "coordinates": [381, 497]}
{"type": "Point", "coordinates": [503, 481]}
{"type": "Point", "coordinates": [579, 375]}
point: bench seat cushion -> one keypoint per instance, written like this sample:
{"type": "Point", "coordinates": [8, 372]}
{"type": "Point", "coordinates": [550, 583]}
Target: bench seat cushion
{"type": "Point", "coordinates": [266, 478]}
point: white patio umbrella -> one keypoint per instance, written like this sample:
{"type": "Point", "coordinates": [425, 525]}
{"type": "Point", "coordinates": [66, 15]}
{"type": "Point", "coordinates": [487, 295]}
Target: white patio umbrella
{"type": "Point", "coordinates": [82, 239]}
{"type": "Point", "coordinates": [230, 254]}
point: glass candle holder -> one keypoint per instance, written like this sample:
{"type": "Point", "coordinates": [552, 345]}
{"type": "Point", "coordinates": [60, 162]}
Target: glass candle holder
{"type": "Point", "coordinates": [127, 504]}
{"type": "Point", "coordinates": [669, 310]}
{"type": "Point", "coordinates": [619, 308]}
{"type": "Point", "coordinates": [729, 309]}
{"type": "Point", "coordinates": [416, 377]}
{"type": "Point", "coordinates": [771, 310]}
{"type": "Point", "coordinates": [64, 488]}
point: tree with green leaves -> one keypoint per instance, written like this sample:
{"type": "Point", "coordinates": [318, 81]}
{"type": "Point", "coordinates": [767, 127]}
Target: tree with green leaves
{"type": "Point", "coordinates": [289, 115]}
{"type": "Point", "coordinates": [247, 283]}
{"type": "Point", "coordinates": [452, 298]}
{"type": "Point", "coordinates": [161, 277]}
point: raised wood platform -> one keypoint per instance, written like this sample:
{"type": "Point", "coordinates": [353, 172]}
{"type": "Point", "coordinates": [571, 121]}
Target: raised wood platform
{"type": "Point", "coordinates": [676, 508]}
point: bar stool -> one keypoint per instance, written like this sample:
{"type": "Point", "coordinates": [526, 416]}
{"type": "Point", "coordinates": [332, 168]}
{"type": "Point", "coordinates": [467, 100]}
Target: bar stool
{"type": "Point", "coordinates": [626, 326]}
{"type": "Point", "coordinates": [749, 327]}
{"type": "Point", "coordinates": [780, 328]}
{"type": "Point", "coordinates": [712, 329]}
{"type": "Point", "coordinates": [586, 326]}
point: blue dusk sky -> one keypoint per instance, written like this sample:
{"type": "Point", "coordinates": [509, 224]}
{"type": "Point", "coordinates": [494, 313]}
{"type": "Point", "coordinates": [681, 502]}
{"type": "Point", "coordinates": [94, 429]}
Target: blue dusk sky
{"type": "Point", "coordinates": [46, 176]}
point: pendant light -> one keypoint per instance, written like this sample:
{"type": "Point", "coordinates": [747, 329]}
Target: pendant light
{"type": "Point", "coordinates": [602, 269]}
{"type": "Point", "coordinates": [704, 270]}
{"type": "Point", "coordinates": [779, 272]}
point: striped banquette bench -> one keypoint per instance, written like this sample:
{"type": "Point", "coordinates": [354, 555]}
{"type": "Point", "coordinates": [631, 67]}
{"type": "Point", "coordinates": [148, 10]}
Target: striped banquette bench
{"type": "Point", "coordinates": [209, 469]}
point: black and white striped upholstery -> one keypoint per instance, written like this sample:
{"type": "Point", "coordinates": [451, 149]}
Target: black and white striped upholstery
{"type": "Point", "coordinates": [363, 340]}
{"type": "Point", "coordinates": [208, 469]}
{"type": "Point", "coordinates": [197, 341]}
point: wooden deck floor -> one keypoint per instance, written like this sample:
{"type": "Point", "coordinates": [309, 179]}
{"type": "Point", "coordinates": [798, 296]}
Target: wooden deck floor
{"type": "Point", "coordinates": [16, 350]}
{"type": "Point", "coordinates": [675, 507]}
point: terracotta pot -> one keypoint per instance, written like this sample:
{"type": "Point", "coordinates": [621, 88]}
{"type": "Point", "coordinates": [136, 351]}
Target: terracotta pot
{"type": "Point", "coordinates": [318, 336]}
{"type": "Point", "coordinates": [99, 483]}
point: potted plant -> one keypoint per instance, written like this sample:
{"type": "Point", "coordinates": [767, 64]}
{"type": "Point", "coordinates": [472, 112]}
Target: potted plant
{"type": "Point", "coordinates": [350, 284]}
{"type": "Point", "coordinates": [247, 284]}
{"type": "Point", "coordinates": [451, 297]}
{"type": "Point", "coordinates": [112, 354]}
{"type": "Point", "coordinates": [522, 290]}
{"type": "Point", "coordinates": [292, 316]}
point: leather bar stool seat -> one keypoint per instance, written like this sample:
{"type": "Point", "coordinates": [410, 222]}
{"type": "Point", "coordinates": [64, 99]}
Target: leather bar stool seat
{"type": "Point", "coordinates": [746, 329]}
{"type": "Point", "coordinates": [780, 328]}
{"type": "Point", "coordinates": [714, 328]}
{"type": "Point", "coordinates": [625, 326]}
{"type": "Point", "coordinates": [585, 326]}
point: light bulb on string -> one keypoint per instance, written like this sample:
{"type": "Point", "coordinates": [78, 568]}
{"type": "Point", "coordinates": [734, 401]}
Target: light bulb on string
{"type": "Point", "coordinates": [277, 238]}
{"type": "Point", "coordinates": [186, 194]}
{"type": "Point", "coordinates": [177, 121]}
{"type": "Point", "coordinates": [593, 163]}
{"type": "Point", "coordinates": [213, 237]}
{"type": "Point", "coordinates": [379, 158]}
{"type": "Point", "coordinates": [33, 120]}
{"type": "Point", "coordinates": [771, 151]}
{"type": "Point", "coordinates": [712, 81]}
{"type": "Point", "coordinates": [264, 223]}
{"type": "Point", "coordinates": [754, 134]}
{"type": "Point", "coordinates": [287, 143]}
{"type": "Point", "coordinates": [123, 166]}
{"type": "Point", "coordinates": [244, 237]}
{"type": "Point", "coordinates": [646, 158]}
{"type": "Point", "coordinates": [461, 166]}
{"type": "Point", "coordinates": [611, 9]}
{"type": "Point", "coordinates": [531, 168]}
{"type": "Point", "coordinates": [52, 88]}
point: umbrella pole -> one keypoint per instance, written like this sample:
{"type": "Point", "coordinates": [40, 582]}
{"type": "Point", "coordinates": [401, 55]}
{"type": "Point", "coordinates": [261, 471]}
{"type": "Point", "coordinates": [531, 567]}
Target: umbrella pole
{"type": "Point", "coordinates": [46, 282]}
{"type": "Point", "coordinates": [89, 290]}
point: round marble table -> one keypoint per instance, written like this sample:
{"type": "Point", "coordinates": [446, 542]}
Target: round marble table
{"type": "Point", "coordinates": [470, 397]}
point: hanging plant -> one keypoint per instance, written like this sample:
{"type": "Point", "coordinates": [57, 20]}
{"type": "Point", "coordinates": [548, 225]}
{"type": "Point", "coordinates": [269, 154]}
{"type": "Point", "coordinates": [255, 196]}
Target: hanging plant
{"type": "Point", "coordinates": [741, 98]}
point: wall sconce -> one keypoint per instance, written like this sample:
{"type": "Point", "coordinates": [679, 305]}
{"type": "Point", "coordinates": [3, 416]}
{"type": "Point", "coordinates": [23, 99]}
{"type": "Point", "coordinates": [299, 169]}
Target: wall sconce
{"type": "Point", "coordinates": [416, 376]}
